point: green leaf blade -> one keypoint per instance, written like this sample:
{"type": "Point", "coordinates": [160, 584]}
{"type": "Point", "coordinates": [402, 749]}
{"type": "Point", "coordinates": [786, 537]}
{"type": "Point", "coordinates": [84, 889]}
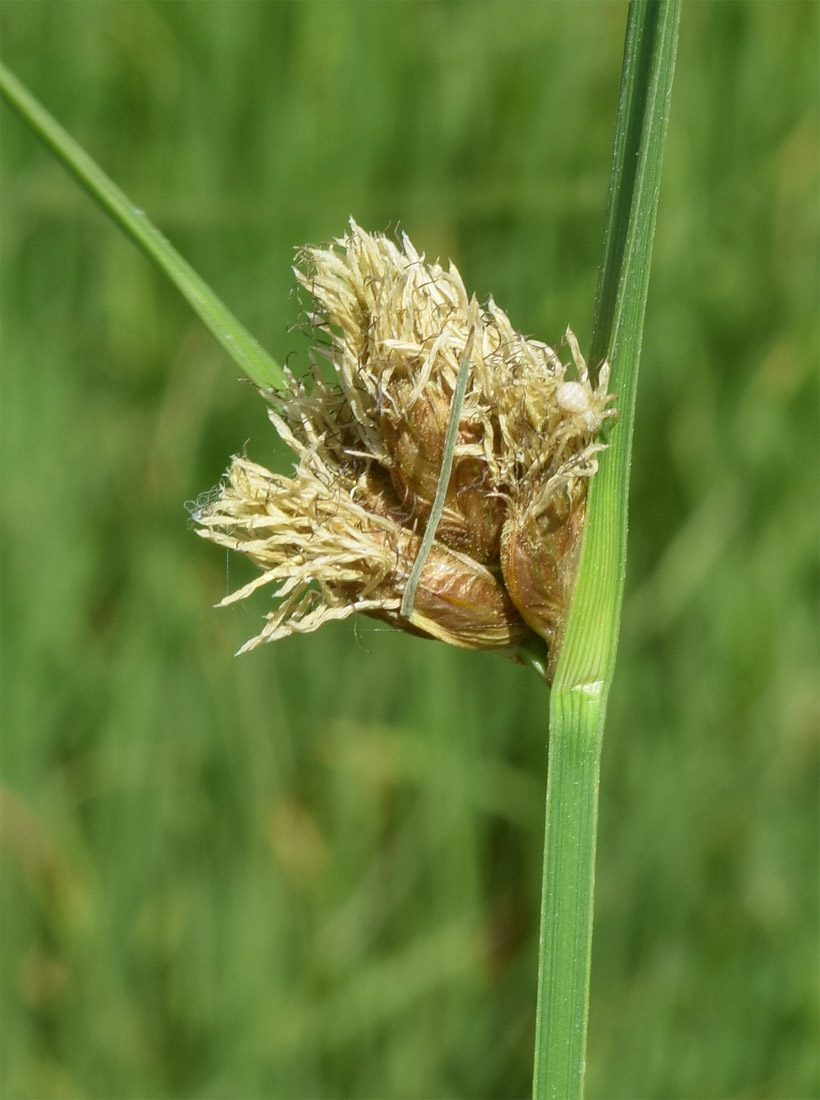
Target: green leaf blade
{"type": "Point", "coordinates": [240, 345]}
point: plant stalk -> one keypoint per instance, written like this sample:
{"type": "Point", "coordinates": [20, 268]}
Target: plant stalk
{"type": "Point", "coordinates": [245, 351]}
{"type": "Point", "coordinates": [586, 665]}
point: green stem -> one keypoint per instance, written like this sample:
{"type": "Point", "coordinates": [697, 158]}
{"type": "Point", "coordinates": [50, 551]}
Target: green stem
{"type": "Point", "coordinates": [232, 335]}
{"type": "Point", "coordinates": [586, 665]}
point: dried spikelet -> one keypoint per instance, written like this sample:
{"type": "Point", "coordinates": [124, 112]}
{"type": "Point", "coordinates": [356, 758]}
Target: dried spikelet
{"type": "Point", "coordinates": [542, 534]}
{"type": "Point", "coordinates": [342, 534]}
{"type": "Point", "coordinates": [332, 548]}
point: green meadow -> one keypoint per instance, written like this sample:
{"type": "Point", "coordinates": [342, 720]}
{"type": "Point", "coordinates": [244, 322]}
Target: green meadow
{"type": "Point", "coordinates": [313, 872]}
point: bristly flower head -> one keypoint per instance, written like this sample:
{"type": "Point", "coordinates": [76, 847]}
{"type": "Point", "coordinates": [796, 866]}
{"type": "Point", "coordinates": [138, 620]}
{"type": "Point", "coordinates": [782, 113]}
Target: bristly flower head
{"type": "Point", "coordinates": [341, 535]}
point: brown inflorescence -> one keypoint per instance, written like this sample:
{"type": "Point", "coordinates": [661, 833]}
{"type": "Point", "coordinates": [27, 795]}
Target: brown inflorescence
{"type": "Point", "coordinates": [342, 534]}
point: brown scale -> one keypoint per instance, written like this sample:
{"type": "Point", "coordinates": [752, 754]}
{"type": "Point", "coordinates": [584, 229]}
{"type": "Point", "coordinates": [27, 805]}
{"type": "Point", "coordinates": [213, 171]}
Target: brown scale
{"type": "Point", "coordinates": [473, 514]}
{"type": "Point", "coordinates": [539, 559]}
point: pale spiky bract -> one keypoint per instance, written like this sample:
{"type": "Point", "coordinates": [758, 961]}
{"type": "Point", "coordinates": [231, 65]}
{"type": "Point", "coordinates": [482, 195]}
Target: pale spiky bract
{"type": "Point", "coordinates": [341, 535]}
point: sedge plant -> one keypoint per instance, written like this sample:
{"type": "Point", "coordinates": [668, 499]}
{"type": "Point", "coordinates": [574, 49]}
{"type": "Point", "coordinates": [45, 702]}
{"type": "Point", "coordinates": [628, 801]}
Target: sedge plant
{"type": "Point", "coordinates": [457, 480]}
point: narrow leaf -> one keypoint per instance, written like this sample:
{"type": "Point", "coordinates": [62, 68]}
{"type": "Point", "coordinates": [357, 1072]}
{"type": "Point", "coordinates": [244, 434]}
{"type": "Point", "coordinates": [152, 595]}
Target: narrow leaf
{"type": "Point", "coordinates": [249, 356]}
{"type": "Point", "coordinates": [409, 595]}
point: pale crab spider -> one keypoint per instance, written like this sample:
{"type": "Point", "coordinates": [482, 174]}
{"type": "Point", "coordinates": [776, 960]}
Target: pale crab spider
{"type": "Point", "coordinates": [586, 406]}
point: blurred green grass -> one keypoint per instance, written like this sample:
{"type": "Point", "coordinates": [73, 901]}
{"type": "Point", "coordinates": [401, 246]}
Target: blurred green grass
{"type": "Point", "coordinates": [313, 871]}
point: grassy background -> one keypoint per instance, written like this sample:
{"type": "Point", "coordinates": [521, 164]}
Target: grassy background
{"type": "Point", "coordinates": [313, 871]}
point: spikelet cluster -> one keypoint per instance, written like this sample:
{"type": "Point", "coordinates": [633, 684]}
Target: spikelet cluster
{"type": "Point", "coordinates": [341, 534]}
